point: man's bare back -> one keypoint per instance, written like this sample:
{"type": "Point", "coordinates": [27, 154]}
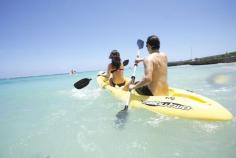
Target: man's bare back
{"type": "Point", "coordinates": [158, 70]}
{"type": "Point", "coordinates": [154, 81]}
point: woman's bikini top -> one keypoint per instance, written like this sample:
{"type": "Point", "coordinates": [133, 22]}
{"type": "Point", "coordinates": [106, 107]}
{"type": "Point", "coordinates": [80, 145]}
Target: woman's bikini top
{"type": "Point", "coordinates": [119, 69]}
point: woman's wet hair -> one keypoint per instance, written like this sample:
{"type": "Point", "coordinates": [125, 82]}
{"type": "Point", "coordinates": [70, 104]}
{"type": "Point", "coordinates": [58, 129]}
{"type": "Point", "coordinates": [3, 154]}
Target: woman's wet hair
{"type": "Point", "coordinates": [154, 42]}
{"type": "Point", "coordinates": [115, 56]}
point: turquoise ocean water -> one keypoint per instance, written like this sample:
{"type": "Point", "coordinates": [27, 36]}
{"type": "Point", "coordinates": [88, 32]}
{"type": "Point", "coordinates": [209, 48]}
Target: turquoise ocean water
{"type": "Point", "coordinates": [45, 117]}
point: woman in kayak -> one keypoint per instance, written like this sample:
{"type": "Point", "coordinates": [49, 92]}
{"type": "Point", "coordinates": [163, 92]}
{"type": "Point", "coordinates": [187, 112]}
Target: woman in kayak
{"type": "Point", "coordinates": [115, 70]}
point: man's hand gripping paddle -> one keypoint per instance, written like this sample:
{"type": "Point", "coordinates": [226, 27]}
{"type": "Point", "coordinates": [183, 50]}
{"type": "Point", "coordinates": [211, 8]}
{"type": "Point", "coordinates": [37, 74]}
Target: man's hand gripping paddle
{"type": "Point", "coordinates": [140, 44]}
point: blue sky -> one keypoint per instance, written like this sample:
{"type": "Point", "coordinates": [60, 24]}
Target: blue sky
{"type": "Point", "coordinates": [54, 36]}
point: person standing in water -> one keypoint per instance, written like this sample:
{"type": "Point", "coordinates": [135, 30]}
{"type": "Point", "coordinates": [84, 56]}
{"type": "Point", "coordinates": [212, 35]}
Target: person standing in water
{"type": "Point", "coordinates": [154, 82]}
{"type": "Point", "coordinates": [115, 70]}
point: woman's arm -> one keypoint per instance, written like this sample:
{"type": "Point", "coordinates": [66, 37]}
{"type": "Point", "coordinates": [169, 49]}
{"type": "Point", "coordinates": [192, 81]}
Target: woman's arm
{"type": "Point", "coordinates": [108, 73]}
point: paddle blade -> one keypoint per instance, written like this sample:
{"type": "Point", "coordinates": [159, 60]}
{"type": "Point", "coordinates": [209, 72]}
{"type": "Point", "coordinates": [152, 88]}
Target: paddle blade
{"type": "Point", "coordinates": [82, 83]}
{"type": "Point", "coordinates": [140, 43]}
{"type": "Point", "coordinates": [126, 62]}
{"type": "Point", "coordinates": [126, 108]}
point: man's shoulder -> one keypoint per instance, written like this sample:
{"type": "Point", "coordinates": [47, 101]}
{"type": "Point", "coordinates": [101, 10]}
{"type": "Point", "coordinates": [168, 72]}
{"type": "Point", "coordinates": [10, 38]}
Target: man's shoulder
{"type": "Point", "coordinates": [163, 53]}
{"type": "Point", "coordinates": [154, 55]}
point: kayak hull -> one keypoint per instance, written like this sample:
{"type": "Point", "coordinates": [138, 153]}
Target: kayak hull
{"type": "Point", "coordinates": [179, 103]}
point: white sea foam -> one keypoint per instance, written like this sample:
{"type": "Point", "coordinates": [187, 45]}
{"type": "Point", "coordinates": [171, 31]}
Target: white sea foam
{"type": "Point", "coordinates": [86, 93]}
{"type": "Point", "coordinates": [55, 116]}
{"type": "Point", "coordinates": [155, 122]}
{"type": "Point", "coordinates": [137, 145]}
{"type": "Point", "coordinates": [208, 127]}
{"type": "Point", "coordinates": [221, 89]}
{"type": "Point", "coordinates": [176, 154]}
{"type": "Point", "coordinates": [83, 138]}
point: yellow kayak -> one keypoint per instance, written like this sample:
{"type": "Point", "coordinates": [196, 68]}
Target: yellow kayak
{"type": "Point", "coordinates": [179, 103]}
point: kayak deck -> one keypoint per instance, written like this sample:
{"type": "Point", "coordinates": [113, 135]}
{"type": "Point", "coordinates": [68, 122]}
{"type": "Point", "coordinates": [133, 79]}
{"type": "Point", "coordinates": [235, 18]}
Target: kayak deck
{"type": "Point", "coordinates": [179, 103]}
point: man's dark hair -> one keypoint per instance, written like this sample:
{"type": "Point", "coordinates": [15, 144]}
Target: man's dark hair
{"type": "Point", "coordinates": [154, 42]}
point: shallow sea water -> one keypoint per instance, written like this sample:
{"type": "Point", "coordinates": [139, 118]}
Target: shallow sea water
{"type": "Point", "coordinates": [45, 117]}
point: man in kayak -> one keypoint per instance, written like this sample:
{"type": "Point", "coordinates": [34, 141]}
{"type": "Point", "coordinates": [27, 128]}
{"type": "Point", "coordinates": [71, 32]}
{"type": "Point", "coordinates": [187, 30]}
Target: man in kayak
{"type": "Point", "coordinates": [115, 70]}
{"type": "Point", "coordinates": [154, 82]}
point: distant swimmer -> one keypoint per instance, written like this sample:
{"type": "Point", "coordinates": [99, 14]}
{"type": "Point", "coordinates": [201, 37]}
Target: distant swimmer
{"type": "Point", "coordinates": [72, 72]}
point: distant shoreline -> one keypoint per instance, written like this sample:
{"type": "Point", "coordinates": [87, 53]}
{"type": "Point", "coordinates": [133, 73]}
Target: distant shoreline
{"type": "Point", "coordinates": [44, 75]}
{"type": "Point", "coordinates": [227, 57]}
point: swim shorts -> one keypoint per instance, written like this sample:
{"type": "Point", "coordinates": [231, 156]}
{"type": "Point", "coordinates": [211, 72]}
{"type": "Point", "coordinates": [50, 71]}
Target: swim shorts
{"type": "Point", "coordinates": [144, 91]}
{"type": "Point", "coordinates": [120, 84]}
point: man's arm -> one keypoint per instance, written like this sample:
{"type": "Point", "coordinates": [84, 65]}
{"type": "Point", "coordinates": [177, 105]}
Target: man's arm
{"type": "Point", "coordinates": [147, 78]}
{"type": "Point", "coordinates": [138, 60]}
